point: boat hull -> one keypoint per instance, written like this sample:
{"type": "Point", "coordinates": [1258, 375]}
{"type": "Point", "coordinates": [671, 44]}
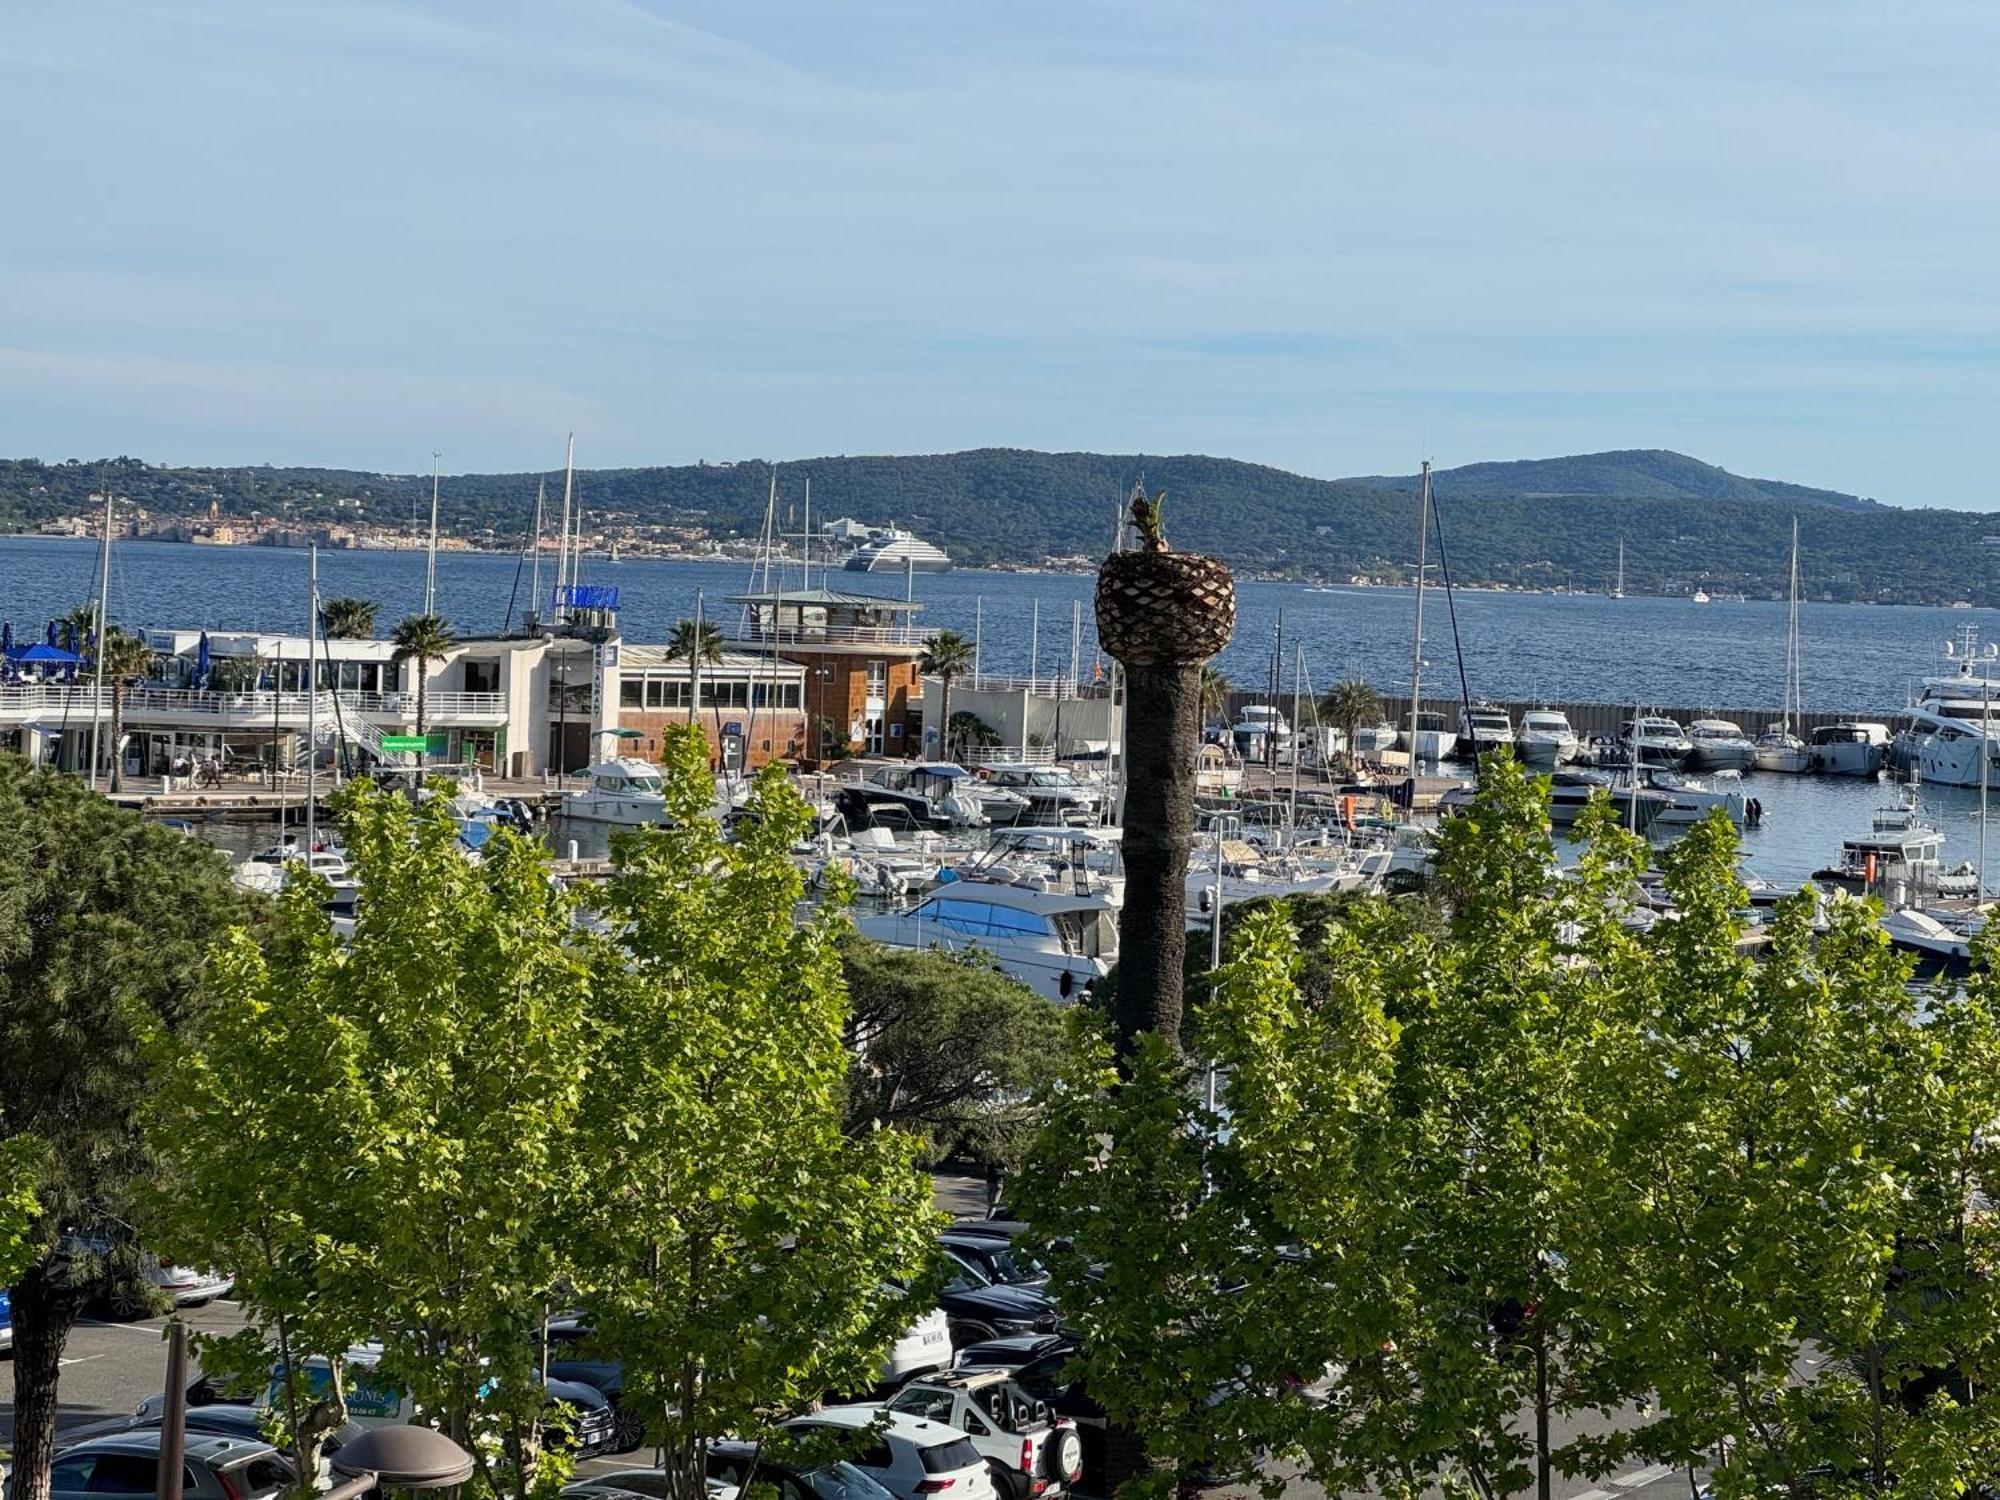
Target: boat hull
{"type": "Point", "coordinates": [1540, 754]}
{"type": "Point", "coordinates": [1788, 760]}
{"type": "Point", "coordinates": [1722, 758]}
{"type": "Point", "coordinates": [884, 563]}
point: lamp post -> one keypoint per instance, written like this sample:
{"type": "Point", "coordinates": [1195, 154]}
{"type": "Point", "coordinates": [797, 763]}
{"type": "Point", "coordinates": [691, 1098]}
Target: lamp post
{"type": "Point", "coordinates": [824, 675]}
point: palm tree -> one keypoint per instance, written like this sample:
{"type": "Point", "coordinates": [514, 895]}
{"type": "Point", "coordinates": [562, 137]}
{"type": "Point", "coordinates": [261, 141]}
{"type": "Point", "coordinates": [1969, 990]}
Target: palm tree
{"type": "Point", "coordinates": [78, 624]}
{"type": "Point", "coordinates": [125, 657]}
{"type": "Point", "coordinates": [348, 618]}
{"type": "Point", "coordinates": [423, 639]}
{"type": "Point", "coordinates": [946, 655]}
{"type": "Point", "coordinates": [1351, 704]}
{"type": "Point", "coordinates": [1162, 614]}
{"type": "Point", "coordinates": [1215, 691]}
{"type": "Point", "coordinates": [699, 641]}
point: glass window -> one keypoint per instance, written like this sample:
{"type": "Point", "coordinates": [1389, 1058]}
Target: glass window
{"type": "Point", "coordinates": [656, 693]}
{"type": "Point", "coordinates": [631, 692]}
{"type": "Point", "coordinates": [71, 1474]}
{"type": "Point", "coordinates": [928, 1405]}
{"type": "Point", "coordinates": [948, 1457]}
{"type": "Point", "coordinates": [261, 1476]}
{"type": "Point", "coordinates": [124, 1474]}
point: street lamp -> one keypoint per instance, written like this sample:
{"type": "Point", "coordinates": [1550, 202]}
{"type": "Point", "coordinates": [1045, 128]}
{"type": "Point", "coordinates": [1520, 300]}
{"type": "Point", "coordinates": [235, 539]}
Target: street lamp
{"type": "Point", "coordinates": [825, 675]}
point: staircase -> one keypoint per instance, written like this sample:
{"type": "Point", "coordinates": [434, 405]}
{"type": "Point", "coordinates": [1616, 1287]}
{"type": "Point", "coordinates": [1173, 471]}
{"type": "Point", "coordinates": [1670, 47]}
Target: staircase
{"type": "Point", "coordinates": [362, 736]}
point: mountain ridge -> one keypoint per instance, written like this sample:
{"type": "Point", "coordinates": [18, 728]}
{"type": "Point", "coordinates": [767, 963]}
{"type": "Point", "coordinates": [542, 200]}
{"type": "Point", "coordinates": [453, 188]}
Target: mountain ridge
{"type": "Point", "coordinates": [1532, 523]}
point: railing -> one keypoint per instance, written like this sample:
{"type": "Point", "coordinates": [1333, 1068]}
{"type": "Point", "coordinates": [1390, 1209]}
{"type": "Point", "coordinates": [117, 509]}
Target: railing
{"type": "Point", "coordinates": [809, 636]}
{"type": "Point", "coordinates": [984, 755]}
{"type": "Point", "coordinates": [1064, 687]}
{"type": "Point", "coordinates": [26, 700]}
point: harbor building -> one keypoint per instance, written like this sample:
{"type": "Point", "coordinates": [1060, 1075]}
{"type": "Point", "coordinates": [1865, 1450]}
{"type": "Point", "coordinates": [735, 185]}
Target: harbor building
{"type": "Point", "coordinates": [860, 654]}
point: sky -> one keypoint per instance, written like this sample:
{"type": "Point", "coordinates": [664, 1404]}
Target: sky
{"type": "Point", "coordinates": [1331, 235]}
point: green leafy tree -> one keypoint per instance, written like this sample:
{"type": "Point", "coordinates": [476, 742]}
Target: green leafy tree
{"type": "Point", "coordinates": [423, 639]}
{"type": "Point", "coordinates": [104, 922]}
{"type": "Point", "coordinates": [1351, 704]}
{"type": "Point", "coordinates": [738, 1248]}
{"type": "Point", "coordinates": [944, 1046]}
{"type": "Point", "coordinates": [348, 618]}
{"type": "Point", "coordinates": [1215, 690]}
{"type": "Point", "coordinates": [947, 656]}
{"type": "Point", "coordinates": [126, 659]}
{"type": "Point", "coordinates": [698, 643]}
{"type": "Point", "coordinates": [379, 1133]}
{"type": "Point", "coordinates": [970, 732]}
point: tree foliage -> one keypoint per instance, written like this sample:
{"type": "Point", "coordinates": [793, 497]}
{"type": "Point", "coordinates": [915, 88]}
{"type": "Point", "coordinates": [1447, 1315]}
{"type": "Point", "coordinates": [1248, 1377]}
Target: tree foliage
{"type": "Point", "coordinates": [738, 1250]}
{"type": "Point", "coordinates": [1534, 1164]}
{"type": "Point", "coordinates": [104, 921]}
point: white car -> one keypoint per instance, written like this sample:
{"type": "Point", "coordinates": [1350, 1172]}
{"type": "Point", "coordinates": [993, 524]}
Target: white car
{"type": "Point", "coordinates": [909, 1458]}
{"type": "Point", "coordinates": [926, 1347]}
{"type": "Point", "coordinates": [1032, 1453]}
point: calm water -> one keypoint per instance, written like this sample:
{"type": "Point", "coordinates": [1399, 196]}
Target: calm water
{"type": "Point", "coordinates": [1578, 647]}
{"type": "Point", "coordinates": [1582, 648]}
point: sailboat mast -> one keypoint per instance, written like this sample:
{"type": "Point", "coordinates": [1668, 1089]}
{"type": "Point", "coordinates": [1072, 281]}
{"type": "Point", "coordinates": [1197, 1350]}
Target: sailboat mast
{"type": "Point", "coordinates": [103, 628]}
{"type": "Point", "coordinates": [806, 537]}
{"type": "Point", "coordinates": [1417, 647]}
{"type": "Point", "coordinates": [312, 700]}
{"type": "Point", "coordinates": [431, 556]}
{"type": "Point", "coordinates": [1794, 685]}
{"type": "Point", "coordinates": [535, 577]}
{"type": "Point", "coordinates": [562, 536]}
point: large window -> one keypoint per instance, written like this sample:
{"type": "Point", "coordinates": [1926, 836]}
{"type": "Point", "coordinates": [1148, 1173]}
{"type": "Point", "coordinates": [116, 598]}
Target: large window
{"type": "Point", "coordinates": [979, 919]}
{"type": "Point", "coordinates": [878, 679]}
{"type": "Point", "coordinates": [631, 692]}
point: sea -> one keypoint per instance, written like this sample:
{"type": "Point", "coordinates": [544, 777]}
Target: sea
{"type": "Point", "coordinates": [1857, 658]}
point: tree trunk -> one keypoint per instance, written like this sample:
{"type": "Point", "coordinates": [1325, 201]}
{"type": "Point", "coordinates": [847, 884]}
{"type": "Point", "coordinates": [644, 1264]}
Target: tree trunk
{"type": "Point", "coordinates": [1162, 732]}
{"type": "Point", "coordinates": [944, 717]}
{"type": "Point", "coordinates": [117, 734]}
{"type": "Point", "coordinates": [44, 1312]}
{"type": "Point", "coordinates": [1544, 1466]}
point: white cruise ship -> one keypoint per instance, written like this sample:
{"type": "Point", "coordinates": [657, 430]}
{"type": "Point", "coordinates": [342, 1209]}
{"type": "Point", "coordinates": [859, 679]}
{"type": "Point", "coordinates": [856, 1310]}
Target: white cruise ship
{"type": "Point", "coordinates": [888, 549]}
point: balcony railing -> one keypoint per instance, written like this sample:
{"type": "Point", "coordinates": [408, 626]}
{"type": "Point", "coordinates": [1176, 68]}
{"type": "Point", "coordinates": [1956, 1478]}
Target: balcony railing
{"type": "Point", "coordinates": [44, 700]}
{"type": "Point", "coordinates": [809, 636]}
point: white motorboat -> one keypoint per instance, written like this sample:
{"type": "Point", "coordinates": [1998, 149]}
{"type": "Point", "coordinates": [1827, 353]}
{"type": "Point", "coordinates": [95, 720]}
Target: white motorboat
{"type": "Point", "coordinates": [1057, 945]}
{"type": "Point", "coordinates": [1862, 749]}
{"type": "Point", "coordinates": [1700, 596]}
{"type": "Point", "coordinates": [1899, 853]}
{"type": "Point", "coordinates": [1484, 727]}
{"type": "Point", "coordinates": [1053, 795]}
{"type": "Point", "coordinates": [1261, 730]}
{"type": "Point", "coordinates": [1545, 740]}
{"type": "Point", "coordinates": [955, 797]}
{"type": "Point", "coordinates": [1371, 740]}
{"type": "Point", "coordinates": [1719, 745]}
{"type": "Point", "coordinates": [1940, 935]}
{"type": "Point", "coordinates": [1656, 741]}
{"type": "Point", "coordinates": [1433, 737]}
{"type": "Point", "coordinates": [624, 791]}
{"type": "Point", "coordinates": [1690, 799]}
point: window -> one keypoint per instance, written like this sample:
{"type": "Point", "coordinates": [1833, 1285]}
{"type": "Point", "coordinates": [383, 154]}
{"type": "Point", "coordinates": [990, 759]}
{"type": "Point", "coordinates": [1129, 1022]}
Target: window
{"type": "Point", "coordinates": [124, 1474]}
{"type": "Point", "coordinates": [71, 1474]}
{"type": "Point", "coordinates": [979, 920]}
{"type": "Point", "coordinates": [482, 677]}
{"type": "Point", "coordinates": [928, 1405]}
{"type": "Point", "coordinates": [946, 1457]}
{"type": "Point", "coordinates": [631, 692]}
{"type": "Point", "coordinates": [878, 679]}
{"type": "Point", "coordinates": [973, 1425]}
{"type": "Point", "coordinates": [261, 1476]}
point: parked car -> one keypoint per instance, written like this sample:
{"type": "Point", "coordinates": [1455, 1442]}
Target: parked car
{"type": "Point", "coordinates": [6, 1320]}
{"type": "Point", "coordinates": [1012, 1353]}
{"type": "Point", "coordinates": [215, 1467]}
{"type": "Point", "coordinates": [741, 1465]}
{"type": "Point", "coordinates": [995, 1256]}
{"type": "Point", "coordinates": [978, 1308]}
{"type": "Point", "coordinates": [637, 1484]}
{"type": "Point", "coordinates": [129, 1268]}
{"type": "Point", "coordinates": [571, 1357]}
{"type": "Point", "coordinates": [1031, 1451]}
{"type": "Point", "coordinates": [908, 1457]}
{"type": "Point", "coordinates": [238, 1420]}
{"type": "Point", "coordinates": [925, 1346]}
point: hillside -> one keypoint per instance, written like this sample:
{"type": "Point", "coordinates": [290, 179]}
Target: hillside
{"type": "Point", "coordinates": [1541, 523]}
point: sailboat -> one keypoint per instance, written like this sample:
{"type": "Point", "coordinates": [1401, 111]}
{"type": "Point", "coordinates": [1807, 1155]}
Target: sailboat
{"type": "Point", "coordinates": [1778, 749]}
{"type": "Point", "coordinates": [1618, 589]}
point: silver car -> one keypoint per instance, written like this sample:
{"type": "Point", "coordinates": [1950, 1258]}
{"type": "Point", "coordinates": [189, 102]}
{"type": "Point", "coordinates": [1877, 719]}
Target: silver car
{"type": "Point", "coordinates": [215, 1468]}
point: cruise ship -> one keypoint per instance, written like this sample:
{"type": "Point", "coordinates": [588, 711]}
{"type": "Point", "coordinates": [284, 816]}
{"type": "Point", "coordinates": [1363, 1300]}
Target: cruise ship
{"type": "Point", "coordinates": [887, 549]}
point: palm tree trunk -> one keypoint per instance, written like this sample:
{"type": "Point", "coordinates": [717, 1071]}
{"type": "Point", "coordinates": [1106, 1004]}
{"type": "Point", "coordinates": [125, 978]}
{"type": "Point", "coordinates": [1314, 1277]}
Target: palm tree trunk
{"type": "Point", "coordinates": [1162, 733]}
{"type": "Point", "coordinates": [944, 710]}
{"type": "Point", "coordinates": [117, 734]}
{"type": "Point", "coordinates": [694, 686]}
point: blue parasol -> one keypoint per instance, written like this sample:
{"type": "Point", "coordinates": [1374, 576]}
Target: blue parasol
{"type": "Point", "coordinates": [201, 663]}
{"type": "Point", "coordinates": [46, 656]}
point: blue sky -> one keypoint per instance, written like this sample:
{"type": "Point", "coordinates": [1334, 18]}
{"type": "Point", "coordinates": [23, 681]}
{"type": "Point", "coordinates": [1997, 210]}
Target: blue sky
{"type": "Point", "coordinates": [1325, 235]}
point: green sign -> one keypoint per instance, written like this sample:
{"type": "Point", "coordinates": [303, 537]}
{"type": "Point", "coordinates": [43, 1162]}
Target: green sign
{"type": "Point", "coordinates": [410, 742]}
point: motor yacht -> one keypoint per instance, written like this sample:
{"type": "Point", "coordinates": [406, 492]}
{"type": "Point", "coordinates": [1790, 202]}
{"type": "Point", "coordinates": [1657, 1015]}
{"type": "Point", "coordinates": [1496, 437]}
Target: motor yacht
{"type": "Point", "coordinates": [952, 795]}
{"type": "Point", "coordinates": [1053, 795]}
{"type": "Point", "coordinates": [1901, 854]}
{"type": "Point", "coordinates": [1955, 727]}
{"type": "Point", "coordinates": [1484, 727]}
{"type": "Point", "coordinates": [1434, 738]}
{"type": "Point", "coordinates": [1656, 741]}
{"type": "Point", "coordinates": [1545, 740]}
{"type": "Point", "coordinates": [1057, 945]}
{"type": "Point", "coordinates": [624, 791]}
{"type": "Point", "coordinates": [1778, 749]}
{"type": "Point", "coordinates": [1862, 749]}
{"type": "Point", "coordinates": [1690, 799]}
{"type": "Point", "coordinates": [1719, 745]}
{"type": "Point", "coordinates": [1370, 740]}
{"type": "Point", "coordinates": [1260, 731]}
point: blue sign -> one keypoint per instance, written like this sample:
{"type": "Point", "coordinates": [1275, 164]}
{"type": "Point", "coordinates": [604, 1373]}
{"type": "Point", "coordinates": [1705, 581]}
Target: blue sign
{"type": "Point", "coordinates": [734, 726]}
{"type": "Point", "coordinates": [587, 596]}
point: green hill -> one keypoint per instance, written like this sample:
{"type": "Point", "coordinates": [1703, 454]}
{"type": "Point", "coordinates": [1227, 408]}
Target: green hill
{"type": "Point", "coordinates": [1540, 523]}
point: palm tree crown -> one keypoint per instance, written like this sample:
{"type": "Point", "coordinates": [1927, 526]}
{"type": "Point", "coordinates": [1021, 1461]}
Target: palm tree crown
{"type": "Point", "coordinates": [1215, 691]}
{"type": "Point", "coordinates": [946, 655]}
{"type": "Point", "coordinates": [124, 657]}
{"type": "Point", "coordinates": [423, 639]}
{"type": "Point", "coordinates": [699, 641]}
{"type": "Point", "coordinates": [1351, 704]}
{"type": "Point", "coordinates": [348, 618]}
